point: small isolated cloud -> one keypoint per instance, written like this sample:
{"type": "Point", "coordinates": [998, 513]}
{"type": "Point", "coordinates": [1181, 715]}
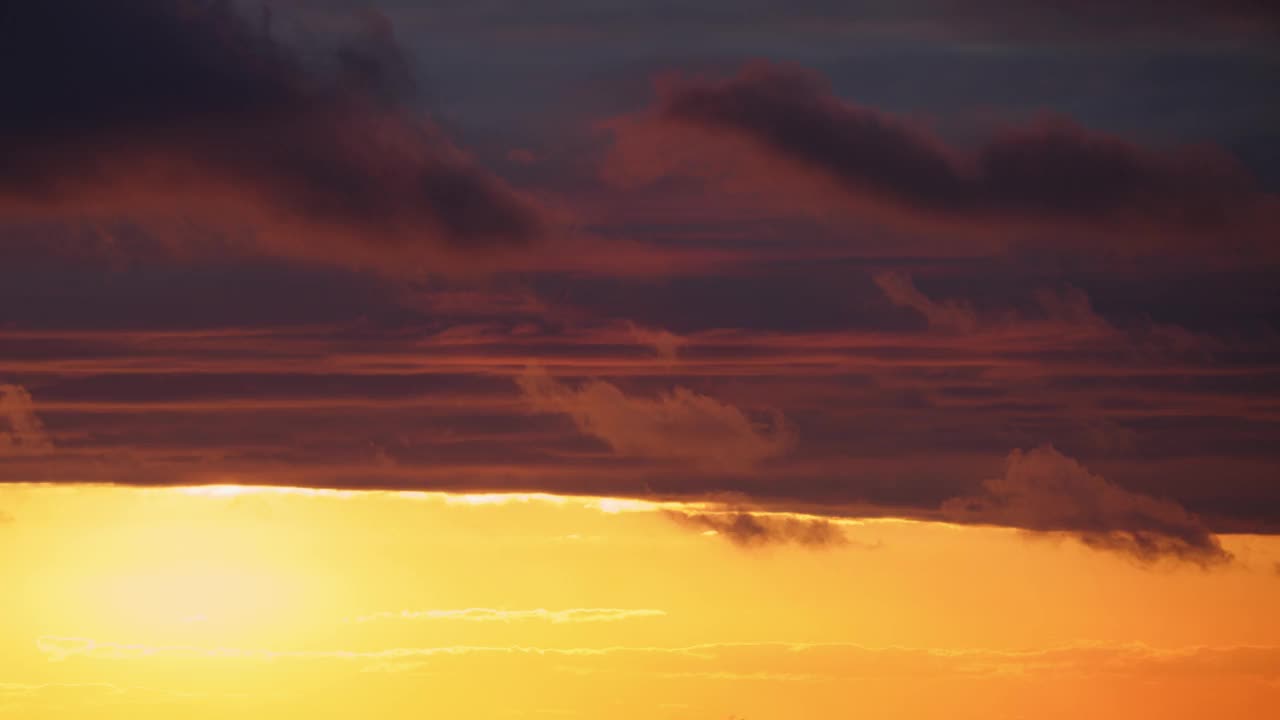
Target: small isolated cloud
{"type": "Point", "coordinates": [665, 343]}
{"type": "Point", "coordinates": [25, 434]}
{"type": "Point", "coordinates": [748, 529]}
{"type": "Point", "coordinates": [676, 425]}
{"type": "Point", "coordinates": [948, 314]}
{"type": "Point", "coordinates": [1043, 490]}
{"type": "Point", "coordinates": [558, 617]}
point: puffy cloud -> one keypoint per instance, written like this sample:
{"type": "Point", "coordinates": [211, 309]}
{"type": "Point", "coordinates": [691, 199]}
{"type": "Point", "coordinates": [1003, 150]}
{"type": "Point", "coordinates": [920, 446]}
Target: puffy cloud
{"type": "Point", "coordinates": [782, 133]}
{"type": "Point", "coordinates": [158, 110]}
{"type": "Point", "coordinates": [26, 434]}
{"type": "Point", "coordinates": [1043, 490]}
{"type": "Point", "coordinates": [677, 425]}
{"type": "Point", "coordinates": [753, 529]}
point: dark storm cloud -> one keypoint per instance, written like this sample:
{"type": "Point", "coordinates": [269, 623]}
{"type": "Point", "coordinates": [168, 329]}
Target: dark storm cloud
{"type": "Point", "coordinates": [191, 109]}
{"type": "Point", "coordinates": [782, 131]}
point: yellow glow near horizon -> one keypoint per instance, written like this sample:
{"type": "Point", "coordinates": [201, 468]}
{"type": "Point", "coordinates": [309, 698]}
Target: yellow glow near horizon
{"type": "Point", "coordinates": [283, 602]}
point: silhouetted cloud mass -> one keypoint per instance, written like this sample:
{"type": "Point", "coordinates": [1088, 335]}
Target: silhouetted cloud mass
{"type": "Point", "coordinates": [782, 130]}
{"type": "Point", "coordinates": [1043, 490]}
{"type": "Point", "coordinates": [749, 529]}
{"type": "Point", "coordinates": [180, 109]}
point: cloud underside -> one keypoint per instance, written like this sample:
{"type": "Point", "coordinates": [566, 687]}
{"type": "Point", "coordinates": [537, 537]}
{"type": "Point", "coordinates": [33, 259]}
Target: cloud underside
{"type": "Point", "coordinates": [748, 529]}
{"type": "Point", "coordinates": [171, 112]}
{"type": "Point", "coordinates": [1042, 490]}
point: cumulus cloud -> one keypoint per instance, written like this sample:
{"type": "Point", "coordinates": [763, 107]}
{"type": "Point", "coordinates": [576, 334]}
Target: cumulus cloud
{"type": "Point", "coordinates": [1043, 490]}
{"type": "Point", "coordinates": [25, 434]}
{"type": "Point", "coordinates": [676, 425]}
{"type": "Point", "coordinates": [786, 131]}
{"type": "Point", "coordinates": [748, 529]}
{"type": "Point", "coordinates": [174, 110]}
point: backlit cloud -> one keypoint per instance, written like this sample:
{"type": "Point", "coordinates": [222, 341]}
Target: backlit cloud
{"type": "Point", "coordinates": [1045, 491]}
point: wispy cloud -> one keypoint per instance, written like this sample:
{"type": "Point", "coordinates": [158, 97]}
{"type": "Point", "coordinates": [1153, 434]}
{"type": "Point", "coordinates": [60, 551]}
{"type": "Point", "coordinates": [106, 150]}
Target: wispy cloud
{"type": "Point", "coordinates": [571, 615]}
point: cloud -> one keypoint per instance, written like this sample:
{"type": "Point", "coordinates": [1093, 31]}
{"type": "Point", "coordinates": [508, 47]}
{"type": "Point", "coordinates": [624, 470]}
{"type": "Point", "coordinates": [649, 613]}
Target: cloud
{"type": "Point", "coordinates": [665, 343]}
{"type": "Point", "coordinates": [837, 661]}
{"type": "Point", "coordinates": [163, 110]}
{"type": "Point", "coordinates": [677, 425]}
{"type": "Point", "coordinates": [949, 315]}
{"type": "Point", "coordinates": [748, 529]}
{"type": "Point", "coordinates": [1043, 490]}
{"type": "Point", "coordinates": [783, 134]}
{"type": "Point", "coordinates": [26, 434]}
{"type": "Point", "coordinates": [557, 617]}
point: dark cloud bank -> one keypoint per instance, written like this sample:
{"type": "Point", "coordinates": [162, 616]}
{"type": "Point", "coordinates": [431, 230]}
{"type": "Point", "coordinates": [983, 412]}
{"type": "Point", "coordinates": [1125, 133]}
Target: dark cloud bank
{"type": "Point", "coordinates": [180, 109]}
{"type": "Point", "coordinates": [782, 129]}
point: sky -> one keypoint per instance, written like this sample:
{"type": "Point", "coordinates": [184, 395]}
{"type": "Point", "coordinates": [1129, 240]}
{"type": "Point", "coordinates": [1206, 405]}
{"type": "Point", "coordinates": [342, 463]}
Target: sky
{"type": "Point", "coordinates": [639, 359]}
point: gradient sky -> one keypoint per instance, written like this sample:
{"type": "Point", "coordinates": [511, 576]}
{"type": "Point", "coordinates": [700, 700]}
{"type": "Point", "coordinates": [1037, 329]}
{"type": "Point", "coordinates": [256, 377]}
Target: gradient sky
{"type": "Point", "coordinates": [640, 359]}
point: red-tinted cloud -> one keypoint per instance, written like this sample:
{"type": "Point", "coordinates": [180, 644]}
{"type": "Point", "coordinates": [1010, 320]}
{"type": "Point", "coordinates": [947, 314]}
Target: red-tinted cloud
{"type": "Point", "coordinates": [780, 133]}
{"type": "Point", "coordinates": [156, 109]}
{"type": "Point", "coordinates": [680, 425]}
{"type": "Point", "coordinates": [21, 433]}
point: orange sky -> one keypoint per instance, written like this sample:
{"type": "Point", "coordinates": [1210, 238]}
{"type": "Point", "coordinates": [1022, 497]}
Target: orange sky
{"type": "Point", "coordinates": [207, 602]}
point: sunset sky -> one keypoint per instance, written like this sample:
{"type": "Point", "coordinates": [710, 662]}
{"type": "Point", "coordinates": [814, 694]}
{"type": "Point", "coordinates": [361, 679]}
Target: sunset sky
{"type": "Point", "coordinates": [639, 359]}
